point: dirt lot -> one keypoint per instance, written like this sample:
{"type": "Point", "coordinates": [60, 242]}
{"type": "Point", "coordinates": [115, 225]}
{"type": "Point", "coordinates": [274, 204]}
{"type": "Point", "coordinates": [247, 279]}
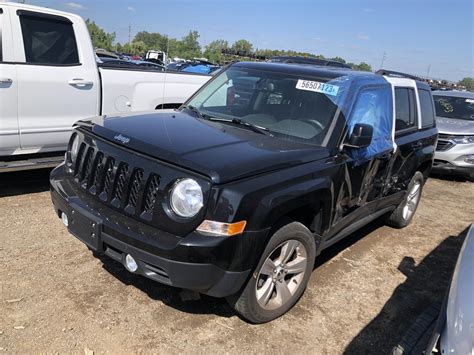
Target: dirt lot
{"type": "Point", "coordinates": [362, 296]}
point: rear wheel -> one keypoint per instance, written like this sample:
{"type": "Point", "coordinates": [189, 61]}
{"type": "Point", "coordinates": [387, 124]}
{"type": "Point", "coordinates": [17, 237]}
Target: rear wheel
{"type": "Point", "coordinates": [280, 277]}
{"type": "Point", "coordinates": [403, 214]}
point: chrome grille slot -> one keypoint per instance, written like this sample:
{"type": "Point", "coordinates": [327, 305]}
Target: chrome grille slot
{"type": "Point", "coordinates": [107, 179]}
{"type": "Point", "coordinates": [86, 166]}
{"type": "Point", "coordinates": [96, 173]}
{"type": "Point", "coordinates": [135, 186]}
{"type": "Point", "coordinates": [80, 154]}
{"type": "Point", "coordinates": [150, 196]}
{"type": "Point", "coordinates": [119, 189]}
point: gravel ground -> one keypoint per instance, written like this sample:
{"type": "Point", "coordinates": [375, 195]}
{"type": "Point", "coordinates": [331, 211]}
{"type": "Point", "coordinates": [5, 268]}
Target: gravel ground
{"type": "Point", "coordinates": [363, 294]}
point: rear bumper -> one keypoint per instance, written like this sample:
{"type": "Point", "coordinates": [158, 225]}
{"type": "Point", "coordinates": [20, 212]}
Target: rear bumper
{"type": "Point", "coordinates": [217, 266]}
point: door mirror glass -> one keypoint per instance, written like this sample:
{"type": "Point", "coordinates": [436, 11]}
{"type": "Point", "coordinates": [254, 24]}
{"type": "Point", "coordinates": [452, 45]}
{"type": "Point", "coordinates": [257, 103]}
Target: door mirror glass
{"type": "Point", "coordinates": [361, 136]}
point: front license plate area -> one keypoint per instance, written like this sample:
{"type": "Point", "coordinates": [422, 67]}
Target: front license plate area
{"type": "Point", "coordinates": [85, 226]}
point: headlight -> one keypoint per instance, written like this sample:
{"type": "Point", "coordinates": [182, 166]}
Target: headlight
{"type": "Point", "coordinates": [74, 148]}
{"type": "Point", "coordinates": [186, 198]}
{"type": "Point", "coordinates": [464, 139]}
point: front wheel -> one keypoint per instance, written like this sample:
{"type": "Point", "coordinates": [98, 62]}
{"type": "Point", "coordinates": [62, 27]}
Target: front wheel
{"type": "Point", "coordinates": [280, 277]}
{"type": "Point", "coordinates": [403, 214]}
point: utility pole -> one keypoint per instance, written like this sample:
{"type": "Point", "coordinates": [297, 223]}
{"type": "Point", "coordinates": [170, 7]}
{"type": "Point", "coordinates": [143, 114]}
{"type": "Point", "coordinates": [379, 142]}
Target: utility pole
{"type": "Point", "coordinates": [129, 34]}
{"type": "Point", "coordinates": [428, 71]}
{"type": "Point", "coordinates": [383, 59]}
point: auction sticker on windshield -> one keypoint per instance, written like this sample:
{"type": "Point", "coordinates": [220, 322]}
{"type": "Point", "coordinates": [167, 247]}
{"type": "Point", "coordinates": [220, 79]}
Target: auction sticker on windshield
{"type": "Point", "coordinates": [317, 86]}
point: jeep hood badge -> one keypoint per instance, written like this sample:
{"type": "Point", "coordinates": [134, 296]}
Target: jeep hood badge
{"type": "Point", "coordinates": [122, 139]}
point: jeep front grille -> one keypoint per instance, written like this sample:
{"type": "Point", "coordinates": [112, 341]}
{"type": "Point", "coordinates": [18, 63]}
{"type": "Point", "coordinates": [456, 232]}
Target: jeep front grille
{"type": "Point", "coordinates": [117, 183]}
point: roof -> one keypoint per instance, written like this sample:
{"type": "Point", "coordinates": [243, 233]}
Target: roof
{"type": "Point", "coordinates": [326, 72]}
{"type": "Point", "coordinates": [453, 93]}
{"type": "Point", "coordinates": [45, 10]}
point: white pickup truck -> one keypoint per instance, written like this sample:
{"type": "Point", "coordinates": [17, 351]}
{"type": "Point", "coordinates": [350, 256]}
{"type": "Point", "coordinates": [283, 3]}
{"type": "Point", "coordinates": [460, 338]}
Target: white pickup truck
{"type": "Point", "coordinates": [49, 79]}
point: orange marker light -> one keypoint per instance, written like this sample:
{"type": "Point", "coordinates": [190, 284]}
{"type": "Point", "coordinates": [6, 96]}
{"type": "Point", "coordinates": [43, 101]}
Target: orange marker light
{"type": "Point", "coordinates": [222, 229]}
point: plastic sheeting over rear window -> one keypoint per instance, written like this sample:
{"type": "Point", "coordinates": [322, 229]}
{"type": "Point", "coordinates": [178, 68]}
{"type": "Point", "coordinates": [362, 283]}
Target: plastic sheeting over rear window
{"type": "Point", "coordinates": [367, 99]}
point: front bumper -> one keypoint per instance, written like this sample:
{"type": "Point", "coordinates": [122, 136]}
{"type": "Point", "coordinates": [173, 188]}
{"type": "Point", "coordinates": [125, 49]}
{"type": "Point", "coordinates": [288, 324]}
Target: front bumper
{"type": "Point", "coordinates": [451, 161]}
{"type": "Point", "coordinates": [217, 266]}
{"type": "Point", "coordinates": [445, 167]}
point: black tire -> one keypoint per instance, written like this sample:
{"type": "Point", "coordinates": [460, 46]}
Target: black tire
{"type": "Point", "coordinates": [397, 219]}
{"type": "Point", "coordinates": [245, 302]}
{"type": "Point", "coordinates": [416, 339]}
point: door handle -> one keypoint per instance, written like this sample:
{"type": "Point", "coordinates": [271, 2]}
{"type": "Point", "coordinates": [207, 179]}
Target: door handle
{"type": "Point", "coordinates": [80, 82]}
{"type": "Point", "coordinates": [6, 81]}
{"type": "Point", "coordinates": [417, 145]}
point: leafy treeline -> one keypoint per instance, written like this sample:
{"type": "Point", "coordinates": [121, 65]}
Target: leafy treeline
{"type": "Point", "coordinates": [188, 47]}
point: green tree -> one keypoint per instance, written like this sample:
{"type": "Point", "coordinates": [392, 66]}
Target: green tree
{"type": "Point", "coordinates": [189, 46]}
{"type": "Point", "coordinates": [361, 66]}
{"type": "Point", "coordinates": [100, 38]}
{"type": "Point", "coordinates": [138, 48]}
{"type": "Point", "coordinates": [468, 83]}
{"type": "Point", "coordinates": [152, 40]}
{"type": "Point", "coordinates": [242, 46]}
{"type": "Point", "coordinates": [213, 51]}
{"type": "Point", "coordinates": [339, 59]}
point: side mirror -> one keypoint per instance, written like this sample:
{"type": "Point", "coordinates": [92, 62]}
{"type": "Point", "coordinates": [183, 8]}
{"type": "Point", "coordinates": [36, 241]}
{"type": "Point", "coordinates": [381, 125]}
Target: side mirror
{"type": "Point", "coordinates": [361, 136]}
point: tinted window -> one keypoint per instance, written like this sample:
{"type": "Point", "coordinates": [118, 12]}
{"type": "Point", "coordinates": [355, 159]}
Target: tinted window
{"type": "Point", "coordinates": [426, 105]}
{"type": "Point", "coordinates": [405, 108]}
{"type": "Point", "coordinates": [48, 40]}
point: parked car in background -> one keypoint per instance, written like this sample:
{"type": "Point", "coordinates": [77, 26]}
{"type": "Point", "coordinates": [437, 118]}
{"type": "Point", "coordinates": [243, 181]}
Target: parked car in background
{"type": "Point", "coordinates": [236, 193]}
{"type": "Point", "coordinates": [455, 121]}
{"type": "Point", "coordinates": [150, 65]}
{"type": "Point", "coordinates": [447, 327]}
{"type": "Point", "coordinates": [114, 62]}
{"type": "Point", "coordinates": [49, 79]}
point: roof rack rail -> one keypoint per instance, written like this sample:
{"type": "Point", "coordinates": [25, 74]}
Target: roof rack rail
{"type": "Point", "coordinates": [308, 60]}
{"type": "Point", "coordinates": [396, 74]}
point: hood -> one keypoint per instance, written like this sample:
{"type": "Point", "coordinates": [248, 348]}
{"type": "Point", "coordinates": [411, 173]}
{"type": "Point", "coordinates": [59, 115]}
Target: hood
{"type": "Point", "coordinates": [221, 151]}
{"type": "Point", "coordinates": [455, 126]}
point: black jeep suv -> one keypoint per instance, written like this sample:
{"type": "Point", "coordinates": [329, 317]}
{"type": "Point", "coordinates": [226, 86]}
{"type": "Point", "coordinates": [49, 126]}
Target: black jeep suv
{"type": "Point", "coordinates": [236, 193]}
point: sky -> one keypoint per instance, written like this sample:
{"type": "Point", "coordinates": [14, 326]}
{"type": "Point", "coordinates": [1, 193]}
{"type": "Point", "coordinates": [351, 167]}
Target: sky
{"type": "Point", "coordinates": [432, 38]}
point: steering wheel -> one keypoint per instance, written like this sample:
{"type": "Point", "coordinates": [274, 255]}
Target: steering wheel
{"type": "Point", "coordinates": [315, 123]}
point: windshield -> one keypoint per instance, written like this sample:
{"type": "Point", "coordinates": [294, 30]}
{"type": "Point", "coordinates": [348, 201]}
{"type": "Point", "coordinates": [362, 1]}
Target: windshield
{"type": "Point", "coordinates": [454, 107]}
{"type": "Point", "coordinates": [292, 108]}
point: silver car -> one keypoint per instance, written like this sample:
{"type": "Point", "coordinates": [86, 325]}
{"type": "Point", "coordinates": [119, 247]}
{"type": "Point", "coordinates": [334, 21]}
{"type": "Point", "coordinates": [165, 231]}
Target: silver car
{"type": "Point", "coordinates": [455, 122]}
{"type": "Point", "coordinates": [447, 327]}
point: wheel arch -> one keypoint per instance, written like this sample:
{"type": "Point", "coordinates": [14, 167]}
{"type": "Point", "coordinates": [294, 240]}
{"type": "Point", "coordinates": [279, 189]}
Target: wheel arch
{"type": "Point", "coordinates": [425, 168]}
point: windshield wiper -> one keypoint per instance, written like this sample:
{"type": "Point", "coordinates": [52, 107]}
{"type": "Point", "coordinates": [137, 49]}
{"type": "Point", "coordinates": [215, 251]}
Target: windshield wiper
{"type": "Point", "coordinates": [253, 127]}
{"type": "Point", "coordinates": [235, 120]}
{"type": "Point", "coordinates": [239, 121]}
{"type": "Point", "coordinates": [194, 110]}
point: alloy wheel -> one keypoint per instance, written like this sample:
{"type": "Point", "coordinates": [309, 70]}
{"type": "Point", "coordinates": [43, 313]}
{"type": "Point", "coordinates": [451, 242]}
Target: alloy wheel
{"type": "Point", "coordinates": [412, 200]}
{"type": "Point", "coordinates": [281, 274]}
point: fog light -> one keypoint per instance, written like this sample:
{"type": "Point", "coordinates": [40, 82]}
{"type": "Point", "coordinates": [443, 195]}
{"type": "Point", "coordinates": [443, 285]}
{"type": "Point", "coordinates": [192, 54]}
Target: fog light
{"type": "Point", "coordinates": [64, 219]}
{"type": "Point", "coordinates": [469, 159]}
{"type": "Point", "coordinates": [130, 263]}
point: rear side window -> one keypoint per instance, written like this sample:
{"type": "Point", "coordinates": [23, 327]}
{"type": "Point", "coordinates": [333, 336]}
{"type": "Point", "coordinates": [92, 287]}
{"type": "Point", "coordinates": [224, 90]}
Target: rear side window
{"type": "Point", "coordinates": [48, 40]}
{"type": "Point", "coordinates": [426, 105]}
{"type": "Point", "coordinates": [405, 109]}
